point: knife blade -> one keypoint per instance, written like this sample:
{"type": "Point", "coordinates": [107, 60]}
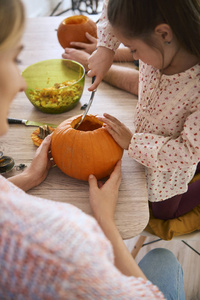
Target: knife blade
{"type": "Point", "coordinates": [28, 123]}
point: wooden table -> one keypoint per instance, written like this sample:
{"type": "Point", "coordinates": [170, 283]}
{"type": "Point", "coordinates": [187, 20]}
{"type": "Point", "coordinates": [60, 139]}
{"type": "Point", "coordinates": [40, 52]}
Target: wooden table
{"type": "Point", "coordinates": [40, 42]}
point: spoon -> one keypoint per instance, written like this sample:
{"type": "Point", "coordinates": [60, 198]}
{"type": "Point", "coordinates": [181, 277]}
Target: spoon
{"type": "Point", "coordinates": [88, 106]}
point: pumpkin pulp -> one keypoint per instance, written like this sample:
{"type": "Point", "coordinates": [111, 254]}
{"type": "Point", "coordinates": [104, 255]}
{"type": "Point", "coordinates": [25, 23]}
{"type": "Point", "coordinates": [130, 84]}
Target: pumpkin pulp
{"type": "Point", "coordinates": [89, 125]}
{"type": "Point", "coordinates": [75, 20]}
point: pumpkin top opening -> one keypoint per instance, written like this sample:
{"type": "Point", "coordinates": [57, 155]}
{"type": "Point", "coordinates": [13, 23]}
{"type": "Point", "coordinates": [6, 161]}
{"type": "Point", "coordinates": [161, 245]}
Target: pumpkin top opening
{"type": "Point", "coordinates": [75, 20]}
{"type": "Point", "coordinates": [88, 124]}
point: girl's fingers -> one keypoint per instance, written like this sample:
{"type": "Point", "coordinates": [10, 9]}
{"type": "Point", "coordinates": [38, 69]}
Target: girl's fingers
{"type": "Point", "coordinates": [90, 37]}
{"type": "Point", "coordinates": [78, 44]}
{"type": "Point", "coordinates": [115, 135]}
{"type": "Point", "coordinates": [112, 119]}
{"type": "Point", "coordinates": [96, 82]}
{"type": "Point", "coordinates": [110, 125]}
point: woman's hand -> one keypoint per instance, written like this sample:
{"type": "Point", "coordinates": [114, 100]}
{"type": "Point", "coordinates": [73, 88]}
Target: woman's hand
{"type": "Point", "coordinates": [121, 134]}
{"type": "Point", "coordinates": [103, 202]}
{"type": "Point", "coordinates": [103, 198]}
{"type": "Point", "coordinates": [99, 63]}
{"type": "Point", "coordinates": [39, 168]}
{"type": "Point", "coordinates": [78, 55]}
{"type": "Point", "coordinates": [41, 162]}
{"type": "Point", "coordinates": [87, 47]}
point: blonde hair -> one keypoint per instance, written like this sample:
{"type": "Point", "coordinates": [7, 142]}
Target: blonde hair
{"type": "Point", "coordinates": [12, 21]}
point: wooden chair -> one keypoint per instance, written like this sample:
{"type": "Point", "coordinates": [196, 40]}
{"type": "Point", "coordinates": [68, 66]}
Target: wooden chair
{"type": "Point", "coordinates": [90, 7]}
{"type": "Point", "coordinates": [194, 236]}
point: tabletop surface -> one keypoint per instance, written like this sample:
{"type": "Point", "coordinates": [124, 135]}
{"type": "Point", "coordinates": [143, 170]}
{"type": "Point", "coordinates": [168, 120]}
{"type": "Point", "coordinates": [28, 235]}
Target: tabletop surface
{"type": "Point", "coordinates": [40, 43]}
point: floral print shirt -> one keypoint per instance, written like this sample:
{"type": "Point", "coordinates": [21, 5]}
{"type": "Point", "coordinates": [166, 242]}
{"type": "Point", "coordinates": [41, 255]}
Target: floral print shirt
{"type": "Point", "coordinates": [167, 130]}
{"type": "Point", "coordinates": [51, 250]}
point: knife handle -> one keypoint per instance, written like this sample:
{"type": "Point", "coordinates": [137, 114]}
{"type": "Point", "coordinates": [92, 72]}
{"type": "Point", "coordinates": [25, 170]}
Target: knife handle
{"type": "Point", "coordinates": [15, 121]}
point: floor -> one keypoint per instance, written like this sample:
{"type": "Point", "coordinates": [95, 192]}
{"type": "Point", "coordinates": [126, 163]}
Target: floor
{"type": "Point", "coordinates": [188, 258]}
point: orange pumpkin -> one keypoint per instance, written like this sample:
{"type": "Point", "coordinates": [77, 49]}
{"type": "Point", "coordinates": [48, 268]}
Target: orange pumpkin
{"type": "Point", "coordinates": [88, 150]}
{"type": "Point", "coordinates": [73, 29]}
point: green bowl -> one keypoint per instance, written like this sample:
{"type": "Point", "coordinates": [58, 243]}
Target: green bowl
{"type": "Point", "coordinates": [54, 86]}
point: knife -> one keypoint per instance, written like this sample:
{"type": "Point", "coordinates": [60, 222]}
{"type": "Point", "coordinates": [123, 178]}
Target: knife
{"type": "Point", "coordinates": [88, 106]}
{"type": "Point", "coordinates": [28, 123]}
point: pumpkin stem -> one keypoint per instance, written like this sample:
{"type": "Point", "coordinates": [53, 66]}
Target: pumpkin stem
{"type": "Point", "coordinates": [44, 131]}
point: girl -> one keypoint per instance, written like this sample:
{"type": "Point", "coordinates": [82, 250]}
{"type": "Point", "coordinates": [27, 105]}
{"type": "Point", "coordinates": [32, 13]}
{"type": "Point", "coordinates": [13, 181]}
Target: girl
{"type": "Point", "coordinates": [165, 37]}
{"type": "Point", "coordinates": [51, 250]}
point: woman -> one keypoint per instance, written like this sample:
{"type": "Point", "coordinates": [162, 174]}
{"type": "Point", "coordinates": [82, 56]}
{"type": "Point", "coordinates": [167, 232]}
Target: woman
{"type": "Point", "coordinates": [51, 250]}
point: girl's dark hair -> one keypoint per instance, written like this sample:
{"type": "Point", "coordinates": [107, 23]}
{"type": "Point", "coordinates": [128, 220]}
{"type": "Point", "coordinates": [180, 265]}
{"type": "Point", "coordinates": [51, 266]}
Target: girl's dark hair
{"type": "Point", "coordinates": [138, 19]}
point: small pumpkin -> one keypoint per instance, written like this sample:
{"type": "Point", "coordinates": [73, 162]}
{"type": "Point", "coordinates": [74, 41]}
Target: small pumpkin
{"type": "Point", "coordinates": [73, 29]}
{"type": "Point", "coordinates": [90, 149]}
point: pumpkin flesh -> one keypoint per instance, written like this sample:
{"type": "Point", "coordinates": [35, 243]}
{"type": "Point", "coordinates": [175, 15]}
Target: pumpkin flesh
{"type": "Point", "coordinates": [88, 150]}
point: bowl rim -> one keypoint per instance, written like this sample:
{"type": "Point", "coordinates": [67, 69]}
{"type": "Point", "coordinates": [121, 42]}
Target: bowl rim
{"type": "Point", "coordinates": [58, 59]}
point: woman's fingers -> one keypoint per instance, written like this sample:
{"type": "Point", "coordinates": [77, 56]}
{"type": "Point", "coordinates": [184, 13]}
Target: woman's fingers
{"type": "Point", "coordinates": [92, 182]}
{"type": "Point", "coordinates": [45, 145]}
{"type": "Point", "coordinates": [115, 178]}
{"type": "Point", "coordinates": [116, 174]}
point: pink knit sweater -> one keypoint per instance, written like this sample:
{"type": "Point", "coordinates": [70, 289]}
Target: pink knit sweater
{"type": "Point", "coordinates": [53, 251]}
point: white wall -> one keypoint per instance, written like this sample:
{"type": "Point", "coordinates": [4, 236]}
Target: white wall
{"type": "Point", "coordinates": [39, 8]}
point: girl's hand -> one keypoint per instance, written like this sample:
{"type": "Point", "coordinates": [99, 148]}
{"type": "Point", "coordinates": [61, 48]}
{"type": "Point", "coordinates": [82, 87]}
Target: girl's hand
{"type": "Point", "coordinates": [121, 134]}
{"type": "Point", "coordinates": [87, 47]}
{"type": "Point", "coordinates": [103, 198]}
{"type": "Point", "coordinates": [99, 63]}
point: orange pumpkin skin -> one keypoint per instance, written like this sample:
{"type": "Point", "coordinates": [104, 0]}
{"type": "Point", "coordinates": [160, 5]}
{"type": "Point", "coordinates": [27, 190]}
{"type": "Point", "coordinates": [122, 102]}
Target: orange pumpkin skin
{"type": "Point", "coordinates": [73, 29]}
{"type": "Point", "coordinates": [88, 150]}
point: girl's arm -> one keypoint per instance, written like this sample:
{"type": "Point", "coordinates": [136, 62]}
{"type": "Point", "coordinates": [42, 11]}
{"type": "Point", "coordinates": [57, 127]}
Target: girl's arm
{"type": "Point", "coordinates": [101, 60]}
{"type": "Point", "coordinates": [99, 63]}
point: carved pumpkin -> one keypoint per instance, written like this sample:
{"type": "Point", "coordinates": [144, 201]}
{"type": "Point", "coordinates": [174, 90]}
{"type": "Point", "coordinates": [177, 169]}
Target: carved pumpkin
{"type": "Point", "coordinates": [73, 29]}
{"type": "Point", "coordinates": [88, 150]}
